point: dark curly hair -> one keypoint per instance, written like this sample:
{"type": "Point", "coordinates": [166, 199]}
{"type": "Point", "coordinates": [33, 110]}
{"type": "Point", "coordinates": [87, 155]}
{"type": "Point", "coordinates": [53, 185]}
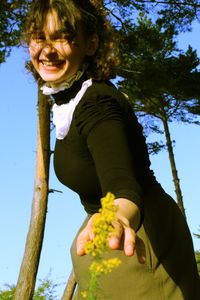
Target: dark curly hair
{"type": "Point", "coordinates": [92, 18]}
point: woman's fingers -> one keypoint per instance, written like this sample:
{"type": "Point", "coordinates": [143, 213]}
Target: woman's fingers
{"type": "Point", "coordinates": [83, 237]}
{"type": "Point", "coordinates": [129, 241]}
{"type": "Point", "coordinates": [125, 232]}
{"type": "Point", "coordinates": [140, 250]}
{"type": "Point", "coordinates": [115, 238]}
{"type": "Point", "coordinates": [132, 243]}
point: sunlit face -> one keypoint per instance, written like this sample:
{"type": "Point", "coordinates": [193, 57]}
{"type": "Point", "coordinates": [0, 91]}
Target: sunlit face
{"type": "Point", "coordinates": [53, 56]}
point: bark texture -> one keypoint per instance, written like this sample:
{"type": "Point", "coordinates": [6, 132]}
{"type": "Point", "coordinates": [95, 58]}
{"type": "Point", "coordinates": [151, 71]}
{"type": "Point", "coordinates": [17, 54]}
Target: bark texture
{"type": "Point", "coordinates": [70, 287]}
{"type": "Point", "coordinates": [29, 267]}
{"type": "Point", "coordinates": [173, 167]}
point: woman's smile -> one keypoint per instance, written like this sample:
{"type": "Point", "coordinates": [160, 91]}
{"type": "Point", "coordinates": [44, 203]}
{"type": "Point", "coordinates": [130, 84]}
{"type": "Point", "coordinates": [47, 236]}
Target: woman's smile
{"type": "Point", "coordinates": [51, 65]}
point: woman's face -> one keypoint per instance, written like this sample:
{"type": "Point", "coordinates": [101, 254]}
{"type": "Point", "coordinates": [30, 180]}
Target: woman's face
{"type": "Point", "coordinates": [54, 58]}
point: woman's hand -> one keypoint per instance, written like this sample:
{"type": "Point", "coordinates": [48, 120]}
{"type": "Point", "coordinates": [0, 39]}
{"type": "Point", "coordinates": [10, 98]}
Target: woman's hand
{"type": "Point", "coordinates": [128, 218]}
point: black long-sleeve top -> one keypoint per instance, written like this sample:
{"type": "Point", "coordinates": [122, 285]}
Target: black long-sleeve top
{"type": "Point", "coordinates": [104, 150]}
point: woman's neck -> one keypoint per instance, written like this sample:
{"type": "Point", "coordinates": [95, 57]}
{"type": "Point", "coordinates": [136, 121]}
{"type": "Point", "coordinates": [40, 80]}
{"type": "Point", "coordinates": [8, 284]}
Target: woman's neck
{"type": "Point", "coordinates": [52, 87]}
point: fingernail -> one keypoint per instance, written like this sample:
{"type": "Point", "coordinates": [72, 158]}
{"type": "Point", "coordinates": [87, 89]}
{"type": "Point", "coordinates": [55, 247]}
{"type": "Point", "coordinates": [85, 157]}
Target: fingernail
{"type": "Point", "coordinates": [79, 250]}
{"type": "Point", "coordinates": [129, 250]}
{"type": "Point", "coordinates": [114, 242]}
{"type": "Point", "coordinates": [142, 259]}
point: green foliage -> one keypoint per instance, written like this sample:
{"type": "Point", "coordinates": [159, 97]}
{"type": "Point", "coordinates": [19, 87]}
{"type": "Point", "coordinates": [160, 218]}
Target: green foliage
{"type": "Point", "coordinates": [160, 79]}
{"type": "Point", "coordinates": [12, 18]}
{"type": "Point", "coordinates": [178, 14]}
{"type": "Point", "coordinates": [45, 291]}
{"type": "Point", "coordinates": [8, 293]}
{"type": "Point", "coordinates": [197, 255]}
{"type": "Point", "coordinates": [197, 235]}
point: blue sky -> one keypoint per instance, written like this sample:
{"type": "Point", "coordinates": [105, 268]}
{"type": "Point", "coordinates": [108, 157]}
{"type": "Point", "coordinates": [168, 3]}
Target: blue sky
{"type": "Point", "coordinates": [18, 134]}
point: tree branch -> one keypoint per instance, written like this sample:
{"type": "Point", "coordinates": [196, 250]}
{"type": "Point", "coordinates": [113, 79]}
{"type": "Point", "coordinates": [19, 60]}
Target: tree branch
{"type": "Point", "coordinates": [185, 3]}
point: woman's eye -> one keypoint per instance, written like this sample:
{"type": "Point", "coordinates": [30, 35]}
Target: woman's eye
{"type": "Point", "coordinates": [38, 38]}
{"type": "Point", "coordinates": [57, 39]}
{"type": "Point", "coordinates": [60, 39]}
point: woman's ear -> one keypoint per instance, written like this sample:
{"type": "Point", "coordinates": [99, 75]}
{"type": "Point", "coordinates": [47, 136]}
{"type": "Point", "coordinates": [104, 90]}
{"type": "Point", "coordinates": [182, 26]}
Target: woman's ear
{"type": "Point", "coordinates": [92, 44]}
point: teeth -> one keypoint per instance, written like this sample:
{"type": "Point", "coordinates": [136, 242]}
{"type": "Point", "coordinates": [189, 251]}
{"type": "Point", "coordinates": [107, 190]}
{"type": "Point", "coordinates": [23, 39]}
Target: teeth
{"type": "Point", "coordinates": [52, 63]}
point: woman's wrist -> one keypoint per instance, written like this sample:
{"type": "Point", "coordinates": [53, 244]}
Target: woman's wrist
{"type": "Point", "coordinates": [128, 212]}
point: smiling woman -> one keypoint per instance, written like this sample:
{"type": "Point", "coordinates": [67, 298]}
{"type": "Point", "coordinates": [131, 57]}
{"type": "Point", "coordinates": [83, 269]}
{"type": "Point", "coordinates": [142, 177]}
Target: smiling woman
{"type": "Point", "coordinates": [54, 56]}
{"type": "Point", "coordinates": [100, 148]}
{"type": "Point", "coordinates": [55, 37]}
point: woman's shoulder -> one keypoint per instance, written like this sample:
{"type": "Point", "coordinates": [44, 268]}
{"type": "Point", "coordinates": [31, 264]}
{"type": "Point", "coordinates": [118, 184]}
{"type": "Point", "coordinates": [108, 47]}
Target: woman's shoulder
{"type": "Point", "coordinates": [101, 96]}
{"type": "Point", "coordinates": [100, 102]}
{"type": "Point", "coordinates": [103, 93]}
{"type": "Point", "coordinates": [101, 88]}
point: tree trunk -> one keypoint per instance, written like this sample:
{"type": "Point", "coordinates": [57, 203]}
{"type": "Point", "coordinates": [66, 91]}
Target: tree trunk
{"type": "Point", "coordinates": [29, 267]}
{"type": "Point", "coordinates": [173, 166]}
{"type": "Point", "coordinates": [70, 287]}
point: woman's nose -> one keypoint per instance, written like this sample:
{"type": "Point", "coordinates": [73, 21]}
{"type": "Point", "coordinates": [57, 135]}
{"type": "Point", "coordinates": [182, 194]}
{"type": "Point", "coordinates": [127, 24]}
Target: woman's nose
{"type": "Point", "coordinates": [48, 47]}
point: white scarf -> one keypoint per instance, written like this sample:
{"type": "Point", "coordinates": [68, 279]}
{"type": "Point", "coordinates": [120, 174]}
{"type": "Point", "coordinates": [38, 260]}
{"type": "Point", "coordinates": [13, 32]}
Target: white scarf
{"type": "Point", "coordinates": [62, 114]}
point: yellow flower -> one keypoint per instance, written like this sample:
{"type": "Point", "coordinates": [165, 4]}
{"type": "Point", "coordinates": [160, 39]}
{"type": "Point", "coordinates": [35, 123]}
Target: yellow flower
{"type": "Point", "coordinates": [84, 294]}
{"type": "Point", "coordinates": [102, 228]}
{"type": "Point", "coordinates": [104, 266]}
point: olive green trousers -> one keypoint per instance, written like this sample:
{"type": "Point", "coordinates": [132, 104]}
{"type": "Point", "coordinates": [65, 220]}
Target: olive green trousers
{"type": "Point", "coordinates": [170, 271]}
